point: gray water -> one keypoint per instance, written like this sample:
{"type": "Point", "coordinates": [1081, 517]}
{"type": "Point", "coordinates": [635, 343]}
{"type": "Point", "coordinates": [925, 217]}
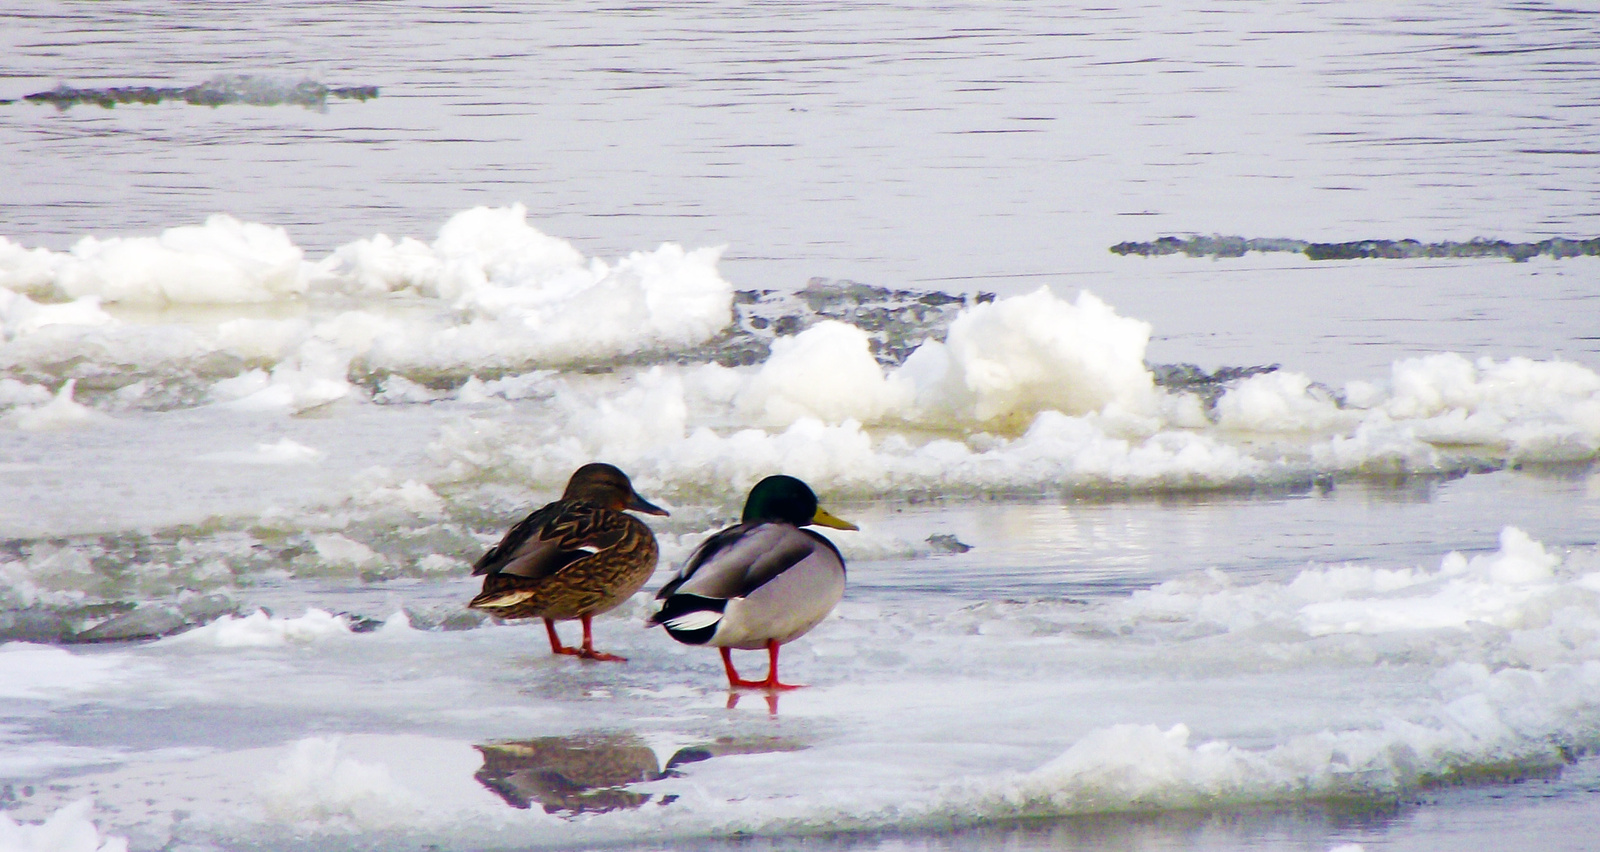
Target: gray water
{"type": "Point", "coordinates": [892, 143]}
{"type": "Point", "coordinates": [958, 146]}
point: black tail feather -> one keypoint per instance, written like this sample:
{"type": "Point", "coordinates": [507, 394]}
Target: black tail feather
{"type": "Point", "coordinates": [677, 608]}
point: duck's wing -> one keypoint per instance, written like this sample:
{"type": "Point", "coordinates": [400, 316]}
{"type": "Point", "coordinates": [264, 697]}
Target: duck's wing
{"type": "Point", "coordinates": [737, 561]}
{"type": "Point", "coordinates": [553, 538]}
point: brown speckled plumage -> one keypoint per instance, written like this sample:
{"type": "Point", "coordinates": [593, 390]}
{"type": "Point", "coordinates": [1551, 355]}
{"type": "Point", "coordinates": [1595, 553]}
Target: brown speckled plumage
{"type": "Point", "coordinates": [572, 775]}
{"type": "Point", "coordinates": [575, 558]}
{"type": "Point", "coordinates": [624, 558]}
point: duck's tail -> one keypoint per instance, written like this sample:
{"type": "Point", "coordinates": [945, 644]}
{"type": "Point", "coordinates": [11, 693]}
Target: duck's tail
{"type": "Point", "coordinates": [690, 619]}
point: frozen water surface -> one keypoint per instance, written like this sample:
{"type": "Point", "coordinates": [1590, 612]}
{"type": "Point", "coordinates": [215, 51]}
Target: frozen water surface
{"type": "Point", "coordinates": [1170, 552]}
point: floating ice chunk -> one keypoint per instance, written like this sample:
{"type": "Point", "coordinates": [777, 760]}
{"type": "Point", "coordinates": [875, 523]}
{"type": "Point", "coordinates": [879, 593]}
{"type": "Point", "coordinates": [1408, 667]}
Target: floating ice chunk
{"type": "Point", "coordinates": [1182, 410]}
{"type": "Point", "coordinates": [1547, 410]}
{"type": "Point", "coordinates": [531, 297]}
{"type": "Point", "coordinates": [242, 387]}
{"type": "Point", "coordinates": [360, 331]}
{"type": "Point", "coordinates": [255, 338]}
{"type": "Point", "coordinates": [397, 627]}
{"type": "Point", "coordinates": [53, 576]}
{"type": "Point", "coordinates": [473, 392]}
{"type": "Point", "coordinates": [1075, 449]}
{"type": "Point", "coordinates": [499, 243]}
{"type": "Point", "coordinates": [649, 413]}
{"type": "Point", "coordinates": [21, 316]}
{"type": "Point", "coordinates": [1424, 387]}
{"type": "Point", "coordinates": [438, 563]}
{"type": "Point", "coordinates": [313, 783]}
{"type": "Point", "coordinates": [222, 261]}
{"type": "Point", "coordinates": [1377, 446]}
{"type": "Point", "coordinates": [1007, 360]}
{"type": "Point", "coordinates": [336, 550]}
{"type": "Point", "coordinates": [259, 630]}
{"type": "Point", "coordinates": [315, 376]}
{"type": "Point", "coordinates": [827, 372]}
{"type": "Point", "coordinates": [282, 452]}
{"type": "Point", "coordinates": [411, 497]}
{"type": "Point", "coordinates": [823, 454]}
{"type": "Point", "coordinates": [1281, 401]}
{"type": "Point", "coordinates": [1128, 767]}
{"type": "Point", "coordinates": [1517, 587]}
{"type": "Point", "coordinates": [1520, 561]}
{"type": "Point", "coordinates": [13, 392]}
{"type": "Point", "coordinates": [535, 385]}
{"type": "Point", "coordinates": [379, 265]}
{"type": "Point", "coordinates": [1478, 717]}
{"type": "Point", "coordinates": [399, 390]}
{"type": "Point", "coordinates": [539, 384]}
{"type": "Point", "coordinates": [1144, 767]}
{"type": "Point", "coordinates": [287, 451]}
{"type": "Point", "coordinates": [62, 412]}
{"type": "Point", "coordinates": [657, 426]}
{"type": "Point", "coordinates": [28, 270]}
{"type": "Point", "coordinates": [1432, 385]}
{"type": "Point", "coordinates": [392, 785]}
{"type": "Point", "coordinates": [69, 829]}
{"type": "Point", "coordinates": [286, 389]}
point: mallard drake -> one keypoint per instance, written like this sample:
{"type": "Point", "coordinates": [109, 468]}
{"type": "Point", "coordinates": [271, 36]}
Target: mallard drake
{"type": "Point", "coordinates": [761, 583]}
{"type": "Point", "coordinates": [574, 558]}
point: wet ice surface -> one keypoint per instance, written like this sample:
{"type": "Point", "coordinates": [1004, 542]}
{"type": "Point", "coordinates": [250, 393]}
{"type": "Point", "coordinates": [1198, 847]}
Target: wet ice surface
{"type": "Point", "coordinates": [1185, 610]}
{"type": "Point", "coordinates": [1017, 686]}
{"type": "Point", "coordinates": [1082, 589]}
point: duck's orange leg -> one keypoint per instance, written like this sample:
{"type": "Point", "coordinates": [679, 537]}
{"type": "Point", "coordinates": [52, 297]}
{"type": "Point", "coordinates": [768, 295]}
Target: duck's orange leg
{"type": "Point", "coordinates": [555, 641]}
{"type": "Point", "coordinates": [772, 682]}
{"type": "Point", "coordinates": [589, 653]}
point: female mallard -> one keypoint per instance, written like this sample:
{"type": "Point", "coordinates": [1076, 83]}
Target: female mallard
{"type": "Point", "coordinates": [574, 558]}
{"type": "Point", "coordinates": [761, 583]}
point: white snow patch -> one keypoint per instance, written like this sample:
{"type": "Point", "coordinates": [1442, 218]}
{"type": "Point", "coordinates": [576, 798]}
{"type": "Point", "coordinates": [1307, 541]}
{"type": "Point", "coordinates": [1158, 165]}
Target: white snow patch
{"type": "Point", "coordinates": [222, 261]}
{"type": "Point", "coordinates": [43, 672]}
{"type": "Point", "coordinates": [260, 630]}
{"type": "Point", "coordinates": [313, 783]}
{"type": "Point", "coordinates": [284, 451]}
{"type": "Point", "coordinates": [61, 412]}
{"type": "Point", "coordinates": [1004, 361]}
{"type": "Point", "coordinates": [70, 829]}
{"type": "Point", "coordinates": [826, 372]}
{"type": "Point", "coordinates": [337, 550]}
{"type": "Point", "coordinates": [529, 297]}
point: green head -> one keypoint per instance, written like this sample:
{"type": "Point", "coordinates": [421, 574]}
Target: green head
{"type": "Point", "coordinates": [786, 499]}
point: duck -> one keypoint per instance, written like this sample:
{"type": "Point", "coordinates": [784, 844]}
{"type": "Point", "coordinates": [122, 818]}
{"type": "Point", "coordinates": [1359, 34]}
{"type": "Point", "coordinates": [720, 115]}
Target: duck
{"type": "Point", "coordinates": [761, 583]}
{"type": "Point", "coordinates": [572, 559]}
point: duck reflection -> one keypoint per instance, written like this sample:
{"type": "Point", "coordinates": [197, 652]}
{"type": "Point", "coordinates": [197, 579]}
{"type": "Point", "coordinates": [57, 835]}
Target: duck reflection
{"type": "Point", "coordinates": [581, 774]}
{"type": "Point", "coordinates": [590, 773]}
{"type": "Point", "coordinates": [734, 696]}
{"type": "Point", "coordinates": [724, 746]}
